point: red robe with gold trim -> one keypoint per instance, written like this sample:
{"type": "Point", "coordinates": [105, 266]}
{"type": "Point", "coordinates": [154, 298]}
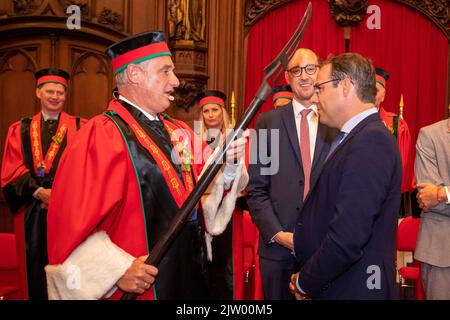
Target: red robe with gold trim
{"type": "Point", "coordinates": [103, 200]}
{"type": "Point", "coordinates": [401, 132]}
{"type": "Point", "coordinates": [19, 182]}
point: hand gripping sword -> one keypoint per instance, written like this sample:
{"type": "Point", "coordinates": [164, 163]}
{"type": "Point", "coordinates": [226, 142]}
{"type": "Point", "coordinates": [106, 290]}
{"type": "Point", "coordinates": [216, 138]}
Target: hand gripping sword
{"type": "Point", "coordinates": [278, 65]}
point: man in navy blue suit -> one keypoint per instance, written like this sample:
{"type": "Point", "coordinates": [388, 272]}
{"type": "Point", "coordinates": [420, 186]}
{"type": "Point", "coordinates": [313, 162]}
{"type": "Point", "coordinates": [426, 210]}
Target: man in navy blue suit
{"type": "Point", "coordinates": [277, 187]}
{"type": "Point", "coordinates": [345, 234]}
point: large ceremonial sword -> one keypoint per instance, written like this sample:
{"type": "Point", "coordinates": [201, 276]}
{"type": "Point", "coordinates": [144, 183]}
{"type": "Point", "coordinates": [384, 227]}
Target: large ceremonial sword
{"type": "Point", "coordinates": [278, 65]}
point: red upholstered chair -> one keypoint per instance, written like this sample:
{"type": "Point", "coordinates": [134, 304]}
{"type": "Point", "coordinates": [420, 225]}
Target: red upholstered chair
{"type": "Point", "coordinates": [252, 281]}
{"type": "Point", "coordinates": [407, 234]}
{"type": "Point", "coordinates": [10, 288]}
{"type": "Point", "coordinates": [249, 254]}
{"type": "Point", "coordinates": [19, 231]}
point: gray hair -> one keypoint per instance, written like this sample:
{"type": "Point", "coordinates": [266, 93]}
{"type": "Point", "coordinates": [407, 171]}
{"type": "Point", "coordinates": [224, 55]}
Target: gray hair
{"type": "Point", "coordinates": [121, 77]}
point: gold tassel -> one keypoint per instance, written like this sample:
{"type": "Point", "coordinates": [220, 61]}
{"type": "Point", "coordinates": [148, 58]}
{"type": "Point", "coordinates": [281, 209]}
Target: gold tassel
{"type": "Point", "coordinates": [233, 104]}
{"type": "Point", "coordinates": [401, 106]}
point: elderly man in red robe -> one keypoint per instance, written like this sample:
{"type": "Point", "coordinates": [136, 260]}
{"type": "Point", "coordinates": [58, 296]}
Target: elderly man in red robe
{"type": "Point", "coordinates": [128, 172]}
{"type": "Point", "coordinates": [282, 95]}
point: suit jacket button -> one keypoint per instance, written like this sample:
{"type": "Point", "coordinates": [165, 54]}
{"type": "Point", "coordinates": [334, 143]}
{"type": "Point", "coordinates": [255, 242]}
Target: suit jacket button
{"type": "Point", "coordinates": [298, 208]}
{"type": "Point", "coordinates": [325, 287]}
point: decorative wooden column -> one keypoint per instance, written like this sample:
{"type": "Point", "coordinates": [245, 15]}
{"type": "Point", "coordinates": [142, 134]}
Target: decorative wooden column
{"type": "Point", "coordinates": [208, 50]}
{"type": "Point", "coordinates": [226, 56]}
{"type": "Point", "coordinates": [186, 28]}
{"type": "Point", "coordinates": [348, 14]}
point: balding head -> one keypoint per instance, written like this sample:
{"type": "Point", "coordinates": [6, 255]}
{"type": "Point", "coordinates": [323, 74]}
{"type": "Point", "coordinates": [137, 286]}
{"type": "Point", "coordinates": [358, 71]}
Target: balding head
{"type": "Point", "coordinates": [300, 54]}
{"type": "Point", "coordinates": [301, 75]}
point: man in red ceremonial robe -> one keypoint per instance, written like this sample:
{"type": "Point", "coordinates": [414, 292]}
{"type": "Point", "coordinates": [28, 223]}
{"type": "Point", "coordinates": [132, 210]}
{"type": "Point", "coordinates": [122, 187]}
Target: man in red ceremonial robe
{"type": "Point", "coordinates": [126, 175]}
{"type": "Point", "coordinates": [33, 149]}
{"type": "Point", "coordinates": [282, 95]}
{"type": "Point", "coordinates": [399, 128]}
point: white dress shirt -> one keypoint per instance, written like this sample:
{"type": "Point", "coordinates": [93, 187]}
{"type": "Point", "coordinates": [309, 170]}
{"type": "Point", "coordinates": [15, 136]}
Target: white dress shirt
{"type": "Point", "coordinates": [148, 115]}
{"type": "Point", "coordinates": [313, 124]}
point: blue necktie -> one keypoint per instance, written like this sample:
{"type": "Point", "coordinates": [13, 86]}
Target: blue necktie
{"type": "Point", "coordinates": [336, 143]}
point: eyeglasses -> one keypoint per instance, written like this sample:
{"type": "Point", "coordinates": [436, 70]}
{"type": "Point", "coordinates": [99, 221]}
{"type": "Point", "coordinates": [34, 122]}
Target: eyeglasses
{"type": "Point", "coordinates": [309, 69]}
{"type": "Point", "coordinates": [319, 87]}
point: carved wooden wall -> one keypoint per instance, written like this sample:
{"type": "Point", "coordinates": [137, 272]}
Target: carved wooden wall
{"type": "Point", "coordinates": [227, 50]}
{"type": "Point", "coordinates": [34, 35]}
{"type": "Point", "coordinates": [214, 61]}
{"type": "Point", "coordinates": [91, 77]}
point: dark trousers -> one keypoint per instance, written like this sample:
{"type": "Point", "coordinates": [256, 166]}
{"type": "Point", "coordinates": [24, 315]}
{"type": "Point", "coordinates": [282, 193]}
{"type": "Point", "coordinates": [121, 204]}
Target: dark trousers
{"type": "Point", "coordinates": [276, 276]}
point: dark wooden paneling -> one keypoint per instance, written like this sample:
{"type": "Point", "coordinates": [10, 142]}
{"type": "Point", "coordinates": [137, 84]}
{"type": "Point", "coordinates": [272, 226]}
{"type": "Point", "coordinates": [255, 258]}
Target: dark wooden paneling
{"type": "Point", "coordinates": [35, 36]}
{"type": "Point", "coordinates": [18, 62]}
{"type": "Point", "coordinates": [92, 79]}
{"type": "Point", "coordinates": [89, 88]}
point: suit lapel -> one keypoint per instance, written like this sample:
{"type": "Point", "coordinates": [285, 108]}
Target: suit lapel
{"type": "Point", "coordinates": [320, 144]}
{"type": "Point", "coordinates": [289, 123]}
{"type": "Point", "coordinates": [354, 132]}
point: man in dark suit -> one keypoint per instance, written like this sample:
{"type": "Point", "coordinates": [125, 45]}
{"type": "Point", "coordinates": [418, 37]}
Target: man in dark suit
{"type": "Point", "coordinates": [345, 234]}
{"type": "Point", "coordinates": [297, 145]}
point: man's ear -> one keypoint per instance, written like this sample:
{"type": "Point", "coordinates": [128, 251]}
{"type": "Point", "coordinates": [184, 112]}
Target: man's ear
{"type": "Point", "coordinates": [382, 95]}
{"type": "Point", "coordinates": [133, 73]}
{"type": "Point", "coordinates": [38, 93]}
{"type": "Point", "coordinates": [287, 78]}
{"type": "Point", "coordinates": [346, 86]}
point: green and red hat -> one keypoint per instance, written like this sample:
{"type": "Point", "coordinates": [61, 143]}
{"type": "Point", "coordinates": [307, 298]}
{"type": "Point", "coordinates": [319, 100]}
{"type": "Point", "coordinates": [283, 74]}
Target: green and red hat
{"type": "Point", "coordinates": [284, 91]}
{"type": "Point", "coordinates": [52, 75]}
{"type": "Point", "coordinates": [381, 76]}
{"type": "Point", "coordinates": [214, 97]}
{"type": "Point", "coordinates": [138, 48]}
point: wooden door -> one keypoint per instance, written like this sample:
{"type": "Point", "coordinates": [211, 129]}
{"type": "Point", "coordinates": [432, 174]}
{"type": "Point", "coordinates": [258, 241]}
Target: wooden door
{"type": "Point", "coordinates": [92, 79]}
{"type": "Point", "coordinates": [90, 85]}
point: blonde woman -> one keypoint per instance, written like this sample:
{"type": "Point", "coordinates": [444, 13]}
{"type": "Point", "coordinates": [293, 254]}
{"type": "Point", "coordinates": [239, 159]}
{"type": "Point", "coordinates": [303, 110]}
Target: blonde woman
{"type": "Point", "coordinates": [214, 119]}
{"type": "Point", "coordinates": [225, 267]}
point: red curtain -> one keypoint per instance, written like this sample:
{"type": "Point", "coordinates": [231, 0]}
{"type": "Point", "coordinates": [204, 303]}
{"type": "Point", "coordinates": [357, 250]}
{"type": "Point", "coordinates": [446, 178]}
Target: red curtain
{"type": "Point", "coordinates": [415, 53]}
{"type": "Point", "coordinates": [408, 45]}
{"type": "Point", "coordinates": [268, 36]}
